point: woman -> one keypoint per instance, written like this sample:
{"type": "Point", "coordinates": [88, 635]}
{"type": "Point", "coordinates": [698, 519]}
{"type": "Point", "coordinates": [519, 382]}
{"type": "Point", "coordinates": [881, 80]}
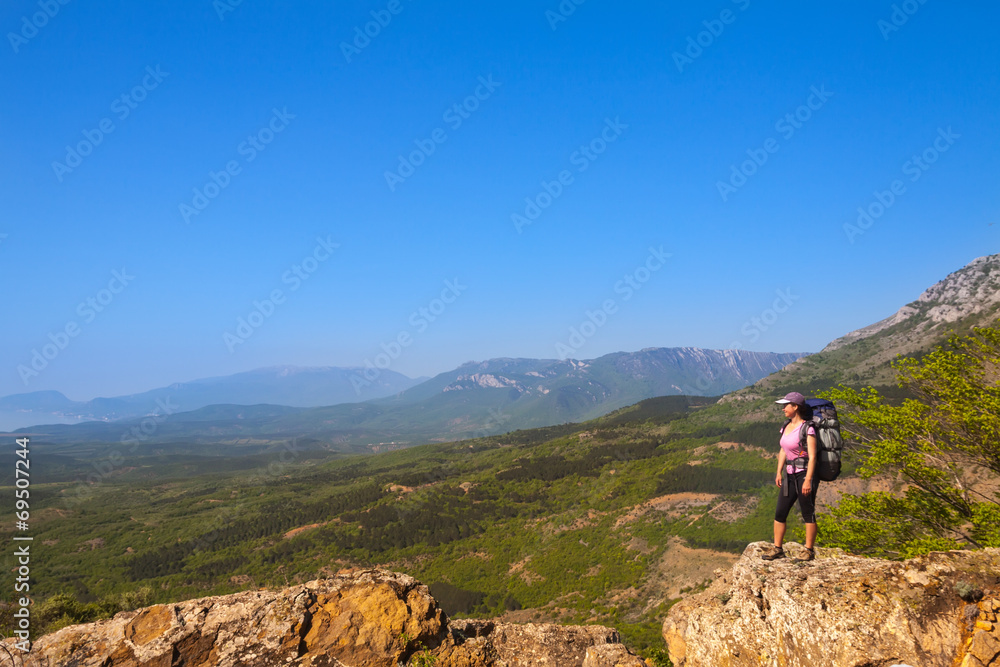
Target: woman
{"type": "Point", "coordinates": [796, 476]}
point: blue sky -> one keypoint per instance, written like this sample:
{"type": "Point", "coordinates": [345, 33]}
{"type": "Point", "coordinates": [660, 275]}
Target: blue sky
{"type": "Point", "coordinates": [276, 128]}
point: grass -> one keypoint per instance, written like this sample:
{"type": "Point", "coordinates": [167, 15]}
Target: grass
{"type": "Point", "coordinates": [524, 521]}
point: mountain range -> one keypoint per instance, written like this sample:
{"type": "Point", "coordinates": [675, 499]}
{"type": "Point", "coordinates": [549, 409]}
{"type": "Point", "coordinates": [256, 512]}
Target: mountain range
{"type": "Point", "coordinates": [475, 399]}
{"type": "Point", "coordinates": [483, 398]}
{"type": "Point", "coordinates": [606, 521]}
{"type": "Point", "coordinates": [278, 385]}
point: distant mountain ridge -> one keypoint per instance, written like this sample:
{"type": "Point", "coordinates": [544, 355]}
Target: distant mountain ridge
{"type": "Point", "coordinates": [477, 398]}
{"type": "Point", "coordinates": [293, 386]}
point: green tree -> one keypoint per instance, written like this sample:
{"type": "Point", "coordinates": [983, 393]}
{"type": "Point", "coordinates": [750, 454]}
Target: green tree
{"type": "Point", "coordinates": [943, 445]}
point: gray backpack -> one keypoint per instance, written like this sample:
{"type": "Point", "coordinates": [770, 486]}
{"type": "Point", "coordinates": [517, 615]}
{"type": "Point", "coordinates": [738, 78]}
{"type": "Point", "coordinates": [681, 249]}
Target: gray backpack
{"type": "Point", "coordinates": [829, 441]}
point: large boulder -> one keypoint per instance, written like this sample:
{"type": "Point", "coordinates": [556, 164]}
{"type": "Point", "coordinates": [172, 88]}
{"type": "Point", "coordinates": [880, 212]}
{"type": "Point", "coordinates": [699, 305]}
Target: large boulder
{"type": "Point", "coordinates": [476, 643]}
{"type": "Point", "coordinates": [939, 610]}
{"type": "Point", "coordinates": [367, 617]}
{"type": "Point", "coordinates": [370, 618]}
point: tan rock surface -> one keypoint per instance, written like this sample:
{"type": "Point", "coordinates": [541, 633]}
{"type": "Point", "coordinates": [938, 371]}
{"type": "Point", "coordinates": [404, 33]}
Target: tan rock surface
{"type": "Point", "coordinates": [517, 645]}
{"type": "Point", "coordinates": [841, 611]}
{"type": "Point", "coordinates": [358, 618]}
{"type": "Point", "coordinates": [370, 618]}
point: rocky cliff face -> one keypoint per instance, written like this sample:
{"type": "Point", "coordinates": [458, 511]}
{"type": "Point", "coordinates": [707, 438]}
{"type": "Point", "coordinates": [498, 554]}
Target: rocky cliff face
{"type": "Point", "coordinates": [939, 610]}
{"type": "Point", "coordinates": [966, 298]}
{"type": "Point", "coordinates": [971, 291]}
{"type": "Point", "coordinates": [369, 618]}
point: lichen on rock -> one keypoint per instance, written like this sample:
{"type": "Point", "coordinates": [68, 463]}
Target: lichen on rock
{"type": "Point", "coordinates": [843, 611]}
{"type": "Point", "coordinates": [369, 618]}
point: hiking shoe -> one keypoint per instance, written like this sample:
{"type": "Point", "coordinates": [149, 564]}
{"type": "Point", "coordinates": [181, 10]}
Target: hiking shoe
{"type": "Point", "coordinates": [773, 553]}
{"type": "Point", "coordinates": [805, 555]}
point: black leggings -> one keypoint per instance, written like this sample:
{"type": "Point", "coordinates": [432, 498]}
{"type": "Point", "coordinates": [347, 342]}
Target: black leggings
{"type": "Point", "coordinates": [806, 503]}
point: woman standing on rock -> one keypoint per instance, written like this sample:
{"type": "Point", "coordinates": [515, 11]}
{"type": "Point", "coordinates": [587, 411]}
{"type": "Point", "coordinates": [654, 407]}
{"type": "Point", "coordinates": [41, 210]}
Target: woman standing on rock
{"type": "Point", "coordinates": [796, 475]}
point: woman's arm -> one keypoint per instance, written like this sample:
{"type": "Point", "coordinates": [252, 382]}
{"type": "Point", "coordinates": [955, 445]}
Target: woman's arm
{"type": "Point", "coordinates": [811, 445]}
{"type": "Point", "coordinates": [781, 466]}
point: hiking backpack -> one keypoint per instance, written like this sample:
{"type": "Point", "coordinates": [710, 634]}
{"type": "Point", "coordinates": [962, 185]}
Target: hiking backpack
{"type": "Point", "coordinates": [829, 441]}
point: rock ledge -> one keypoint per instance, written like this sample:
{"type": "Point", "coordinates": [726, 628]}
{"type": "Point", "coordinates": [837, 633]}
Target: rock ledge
{"type": "Point", "coordinates": [373, 618]}
{"type": "Point", "coordinates": [843, 611]}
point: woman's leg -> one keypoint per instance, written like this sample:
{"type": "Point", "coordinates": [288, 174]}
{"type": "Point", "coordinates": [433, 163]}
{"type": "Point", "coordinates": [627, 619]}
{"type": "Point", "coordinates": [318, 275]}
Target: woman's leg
{"type": "Point", "coordinates": [785, 504]}
{"type": "Point", "coordinates": [811, 531]}
{"type": "Point", "coordinates": [808, 506]}
{"type": "Point", "coordinates": [779, 533]}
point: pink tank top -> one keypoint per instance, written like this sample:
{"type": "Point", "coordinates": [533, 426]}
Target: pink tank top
{"type": "Point", "coordinates": [790, 443]}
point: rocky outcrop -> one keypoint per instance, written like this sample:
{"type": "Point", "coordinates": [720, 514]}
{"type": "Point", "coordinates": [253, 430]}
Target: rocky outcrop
{"type": "Point", "coordinates": [475, 643]}
{"type": "Point", "coordinates": [972, 290]}
{"type": "Point", "coordinates": [939, 610]}
{"type": "Point", "coordinates": [369, 618]}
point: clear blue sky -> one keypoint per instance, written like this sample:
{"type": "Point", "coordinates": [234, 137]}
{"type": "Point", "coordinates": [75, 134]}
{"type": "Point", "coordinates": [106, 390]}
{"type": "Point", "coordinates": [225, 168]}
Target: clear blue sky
{"type": "Point", "coordinates": [202, 84]}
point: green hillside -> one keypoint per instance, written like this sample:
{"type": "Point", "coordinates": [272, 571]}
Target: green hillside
{"type": "Point", "coordinates": [607, 521]}
{"type": "Point", "coordinates": [540, 524]}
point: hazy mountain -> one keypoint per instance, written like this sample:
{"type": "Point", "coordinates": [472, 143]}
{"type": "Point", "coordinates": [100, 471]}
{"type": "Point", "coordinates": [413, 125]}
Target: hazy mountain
{"type": "Point", "coordinates": [477, 398]}
{"type": "Point", "coordinates": [280, 385]}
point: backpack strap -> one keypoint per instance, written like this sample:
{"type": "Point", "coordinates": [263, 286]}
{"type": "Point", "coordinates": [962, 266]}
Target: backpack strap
{"type": "Point", "coordinates": [803, 443]}
{"type": "Point", "coordinates": [804, 436]}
